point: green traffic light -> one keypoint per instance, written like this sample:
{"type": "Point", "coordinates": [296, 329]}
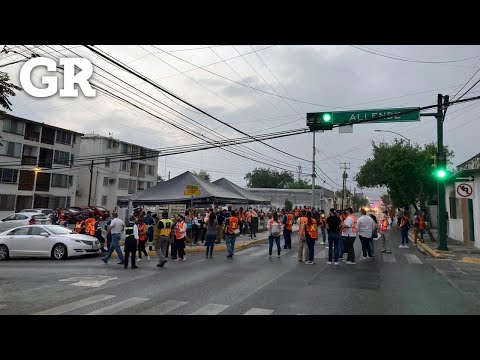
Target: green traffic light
{"type": "Point", "coordinates": [441, 173]}
{"type": "Point", "coordinates": [327, 117]}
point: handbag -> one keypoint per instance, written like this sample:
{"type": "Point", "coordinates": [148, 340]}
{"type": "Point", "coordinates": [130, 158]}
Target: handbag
{"type": "Point", "coordinates": [375, 234]}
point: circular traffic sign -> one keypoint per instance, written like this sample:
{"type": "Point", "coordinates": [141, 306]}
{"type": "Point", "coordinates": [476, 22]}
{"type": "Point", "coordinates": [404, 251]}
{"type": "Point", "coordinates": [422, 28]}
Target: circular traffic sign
{"type": "Point", "coordinates": [464, 190]}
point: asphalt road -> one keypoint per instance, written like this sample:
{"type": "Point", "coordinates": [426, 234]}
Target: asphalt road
{"type": "Point", "coordinates": [405, 282]}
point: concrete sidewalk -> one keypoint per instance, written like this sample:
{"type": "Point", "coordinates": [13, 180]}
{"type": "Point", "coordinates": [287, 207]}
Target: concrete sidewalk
{"type": "Point", "coordinates": [457, 250]}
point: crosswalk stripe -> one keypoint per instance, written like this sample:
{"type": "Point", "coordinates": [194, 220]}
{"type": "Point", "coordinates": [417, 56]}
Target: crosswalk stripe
{"type": "Point", "coordinates": [115, 308]}
{"type": "Point", "coordinates": [62, 309]}
{"type": "Point", "coordinates": [258, 311]}
{"type": "Point", "coordinates": [413, 259]}
{"type": "Point", "coordinates": [210, 309]}
{"type": "Point", "coordinates": [389, 258]}
{"type": "Point", "coordinates": [2, 306]}
{"type": "Point", "coordinates": [263, 251]}
{"type": "Point", "coordinates": [246, 251]}
{"type": "Point", "coordinates": [164, 308]}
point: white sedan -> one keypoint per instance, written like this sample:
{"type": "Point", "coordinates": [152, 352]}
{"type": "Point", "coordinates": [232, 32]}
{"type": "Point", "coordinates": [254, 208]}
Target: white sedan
{"type": "Point", "coordinates": [45, 241]}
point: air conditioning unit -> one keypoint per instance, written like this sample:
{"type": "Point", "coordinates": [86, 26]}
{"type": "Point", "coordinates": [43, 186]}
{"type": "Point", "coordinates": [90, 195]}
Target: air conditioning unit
{"type": "Point", "coordinates": [112, 181]}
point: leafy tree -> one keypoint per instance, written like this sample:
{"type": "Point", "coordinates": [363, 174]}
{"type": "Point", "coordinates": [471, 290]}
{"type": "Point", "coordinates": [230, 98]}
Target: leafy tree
{"type": "Point", "coordinates": [6, 90]}
{"type": "Point", "coordinates": [404, 169]}
{"type": "Point", "coordinates": [359, 201]}
{"type": "Point", "coordinates": [203, 174]}
{"type": "Point", "coordinates": [159, 179]}
{"type": "Point", "coordinates": [288, 204]}
{"type": "Point", "coordinates": [268, 178]}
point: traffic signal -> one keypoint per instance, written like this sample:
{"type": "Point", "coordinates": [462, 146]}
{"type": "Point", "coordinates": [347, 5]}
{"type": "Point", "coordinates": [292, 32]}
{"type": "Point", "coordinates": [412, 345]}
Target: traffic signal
{"type": "Point", "coordinates": [440, 173]}
{"type": "Point", "coordinates": [320, 121]}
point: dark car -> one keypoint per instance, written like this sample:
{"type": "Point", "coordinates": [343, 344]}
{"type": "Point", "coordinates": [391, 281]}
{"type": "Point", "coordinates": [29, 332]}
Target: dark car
{"type": "Point", "coordinates": [100, 211]}
{"type": "Point", "coordinates": [84, 210]}
{"type": "Point", "coordinates": [71, 215]}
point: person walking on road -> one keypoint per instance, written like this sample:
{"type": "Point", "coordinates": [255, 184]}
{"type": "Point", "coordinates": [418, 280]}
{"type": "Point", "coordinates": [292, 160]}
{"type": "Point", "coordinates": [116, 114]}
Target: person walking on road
{"type": "Point", "coordinates": [116, 229]}
{"type": "Point", "coordinates": [365, 226]}
{"type": "Point", "coordinates": [287, 222]}
{"type": "Point", "coordinates": [310, 228]}
{"type": "Point", "coordinates": [384, 226]}
{"type": "Point", "coordinates": [333, 227]}
{"type": "Point", "coordinates": [323, 224]}
{"type": "Point", "coordinates": [142, 238]}
{"type": "Point", "coordinates": [274, 231]}
{"type": "Point", "coordinates": [349, 234]}
{"type": "Point", "coordinates": [301, 236]}
{"type": "Point", "coordinates": [180, 237]}
{"type": "Point", "coordinates": [374, 233]}
{"type": "Point", "coordinates": [232, 229]}
{"type": "Point", "coordinates": [131, 242]}
{"type": "Point", "coordinates": [164, 226]}
{"type": "Point", "coordinates": [404, 226]}
{"type": "Point", "coordinates": [211, 235]}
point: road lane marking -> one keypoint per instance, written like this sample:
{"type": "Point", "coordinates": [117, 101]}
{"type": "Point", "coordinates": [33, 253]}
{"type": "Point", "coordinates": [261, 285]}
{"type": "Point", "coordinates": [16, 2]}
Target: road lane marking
{"type": "Point", "coordinates": [90, 280]}
{"type": "Point", "coordinates": [122, 305]}
{"type": "Point", "coordinates": [246, 251]}
{"type": "Point", "coordinates": [2, 306]}
{"type": "Point", "coordinates": [164, 308]}
{"type": "Point", "coordinates": [62, 309]}
{"type": "Point", "coordinates": [413, 259]}
{"type": "Point", "coordinates": [210, 309]}
{"type": "Point", "coordinates": [389, 258]}
{"type": "Point", "coordinates": [258, 311]}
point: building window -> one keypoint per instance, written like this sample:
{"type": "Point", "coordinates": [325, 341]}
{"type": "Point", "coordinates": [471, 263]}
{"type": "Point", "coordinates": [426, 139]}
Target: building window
{"type": "Point", "coordinates": [124, 165]}
{"type": "Point", "coordinates": [149, 184]}
{"type": "Point", "coordinates": [123, 184]}
{"type": "Point", "coordinates": [70, 180]}
{"type": "Point", "coordinates": [105, 181]}
{"type": "Point", "coordinates": [11, 149]}
{"type": "Point", "coordinates": [107, 162]}
{"type": "Point", "coordinates": [104, 200]}
{"type": "Point", "coordinates": [25, 180]}
{"type": "Point", "coordinates": [109, 144]}
{"type": "Point", "coordinates": [48, 135]}
{"type": "Point", "coordinates": [45, 158]}
{"type": "Point", "coordinates": [8, 175]}
{"type": "Point", "coordinates": [43, 182]}
{"type": "Point", "coordinates": [150, 169]}
{"type": "Point", "coordinates": [7, 202]}
{"type": "Point", "coordinates": [126, 148]}
{"type": "Point", "coordinates": [61, 157]}
{"type": "Point", "coordinates": [13, 126]}
{"type": "Point", "coordinates": [59, 180]}
{"type": "Point", "coordinates": [63, 137]}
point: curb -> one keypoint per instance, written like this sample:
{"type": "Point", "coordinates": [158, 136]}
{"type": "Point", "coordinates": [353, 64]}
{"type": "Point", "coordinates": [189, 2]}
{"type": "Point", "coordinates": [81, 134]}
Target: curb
{"type": "Point", "coordinates": [471, 260]}
{"type": "Point", "coordinates": [218, 247]}
{"type": "Point", "coordinates": [433, 252]}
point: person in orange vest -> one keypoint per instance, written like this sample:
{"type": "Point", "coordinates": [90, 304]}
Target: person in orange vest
{"type": "Point", "coordinates": [404, 226]}
{"type": "Point", "coordinates": [349, 234]}
{"type": "Point", "coordinates": [274, 231]}
{"type": "Point", "coordinates": [232, 226]}
{"type": "Point", "coordinates": [384, 226]}
{"type": "Point", "coordinates": [310, 229]}
{"type": "Point", "coordinates": [142, 238]}
{"type": "Point", "coordinates": [241, 220]}
{"type": "Point", "coordinates": [90, 226]}
{"type": "Point", "coordinates": [323, 225]}
{"type": "Point", "coordinates": [301, 236]}
{"type": "Point", "coordinates": [418, 227]}
{"type": "Point", "coordinates": [80, 225]}
{"type": "Point", "coordinates": [180, 237]}
{"type": "Point", "coordinates": [287, 229]}
{"type": "Point", "coordinates": [296, 214]}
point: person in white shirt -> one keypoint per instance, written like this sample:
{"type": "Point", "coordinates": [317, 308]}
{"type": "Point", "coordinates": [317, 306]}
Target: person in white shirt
{"type": "Point", "coordinates": [365, 226]}
{"type": "Point", "coordinates": [116, 229]}
{"type": "Point", "coordinates": [349, 235]}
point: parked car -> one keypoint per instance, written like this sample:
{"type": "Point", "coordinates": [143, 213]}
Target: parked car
{"type": "Point", "coordinates": [71, 215]}
{"type": "Point", "coordinates": [84, 210]}
{"type": "Point", "coordinates": [19, 219]}
{"type": "Point", "coordinates": [48, 212]}
{"type": "Point", "coordinates": [45, 241]}
{"type": "Point", "coordinates": [100, 211]}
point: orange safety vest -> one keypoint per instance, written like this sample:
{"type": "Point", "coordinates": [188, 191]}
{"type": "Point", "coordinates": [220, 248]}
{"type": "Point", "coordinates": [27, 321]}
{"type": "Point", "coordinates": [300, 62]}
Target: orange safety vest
{"type": "Point", "coordinates": [178, 232]}
{"type": "Point", "coordinates": [232, 225]}
{"type": "Point", "coordinates": [78, 227]}
{"type": "Point", "coordinates": [249, 216]}
{"type": "Point", "coordinates": [289, 221]}
{"type": "Point", "coordinates": [383, 224]}
{"type": "Point", "coordinates": [241, 216]}
{"type": "Point", "coordinates": [303, 220]}
{"type": "Point", "coordinates": [354, 228]}
{"type": "Point", "coordinates": [141, 232]}
{"type": "Point", "coordinates": [312, 229]}
{"type": "Point", "coordinates": [421, 222]}
{"type": "Point", "coordinates": [90, 226]}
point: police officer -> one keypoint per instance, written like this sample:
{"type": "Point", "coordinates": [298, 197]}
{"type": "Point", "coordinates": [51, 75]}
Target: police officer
{"type": "Point", "coordinates": [98, 234]}
{"type": "Point", "coordinates": [165, 226]}
{"type": "Point", "coordinates": [131, 242]}
{"type": "Point", "coordinates": [149, 221]}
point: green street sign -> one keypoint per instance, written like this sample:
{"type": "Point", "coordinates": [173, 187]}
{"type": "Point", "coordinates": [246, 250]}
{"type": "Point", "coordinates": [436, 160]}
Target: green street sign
{"type": "Point", "coordinates": [316, 121]}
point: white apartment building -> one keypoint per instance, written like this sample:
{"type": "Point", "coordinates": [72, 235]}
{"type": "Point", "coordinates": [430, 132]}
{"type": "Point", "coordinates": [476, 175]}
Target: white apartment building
{"type": "Point", "coordinates": [35, 165]}
{"type": "Point", "coordinates": [120, 169]}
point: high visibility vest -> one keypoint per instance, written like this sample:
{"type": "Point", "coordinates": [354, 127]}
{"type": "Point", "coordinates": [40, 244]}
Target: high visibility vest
{"type": "Point", "coordinates": [383, 224]}
{"type": "Point", "coordinates": [249, 216]}
{"type": "Point", "coordinates": [312, 229]}
{"type": "Point", "coordinates": [421, 222]}
{"type": "Point", "coordinates": [303, 220]}
{"type": "Point", "coordinates": [232, 225]}
{"type": "Point", "coordinates": [323, 221]}
{"type": "Point", "coordinates": [129, 230]}
{"type": "Point", "coordinates": [78, 227]}
{"type": "Point", "coordinates": [141, 232]}
{"type": "Point", "coordinates": [241, 216]}
{"type": "Point", "coordinates": [354, 228]}
{"type": "Point", "coordinates": [90, 226]}
{"type": "Point", "coordinates": [289, 221]}
{"type": "Point", "coordinates": [179, 230]}
{"type": "Point", "coordinates": [167, 227]}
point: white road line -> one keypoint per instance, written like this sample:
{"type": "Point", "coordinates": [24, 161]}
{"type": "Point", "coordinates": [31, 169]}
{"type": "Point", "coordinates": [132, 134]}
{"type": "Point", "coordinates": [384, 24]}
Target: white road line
{"type": "Point", "coordinates": [210, 309]}
{"type": "Point", "coordinates": [2, 306]}
{"type": "Point", "coordinates": [389, 258]}
{"type": "Point", "coordinates": [258, 311]}
{"type": "Point", "coordinates": [413, 259]}
{"type": "Point", "coordinates": [62, 309]}
{"type": "Point", "coordinates": [122, 305]}
{"type": "Point", "coordinates": [262, 251]}
{"type": "Point", "coordinates": [246, 251]}
{"type": "Point", "coordinates": [164, 308]}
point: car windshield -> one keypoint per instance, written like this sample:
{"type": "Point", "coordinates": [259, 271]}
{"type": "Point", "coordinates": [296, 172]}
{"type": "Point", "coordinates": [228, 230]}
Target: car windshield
{"type": "Point", "coordinates": [28, 210]}
{"type": "Point", "coordinates": [59, 230]}
{"type": "Point", "coordinates": [39, 217]}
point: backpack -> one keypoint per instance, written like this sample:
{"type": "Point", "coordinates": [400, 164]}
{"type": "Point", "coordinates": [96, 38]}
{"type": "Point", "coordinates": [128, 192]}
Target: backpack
{"type": "Point", "coordinates": [276, 228]}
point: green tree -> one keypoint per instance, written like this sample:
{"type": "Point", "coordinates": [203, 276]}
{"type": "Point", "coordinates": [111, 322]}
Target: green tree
{"type": "Point", "coordinates": [203, 174]}
{"type": "Point", "coordinates": [288, 204]}
{"type": "Point", "coordinates": [268, 178]}
{"type": "Point", "coordinates": [359, 202]}
{"type": "Point", "coordinates": [6, 90]}
{"type": "Point", "coordinates": [404, 169]}
{"type": "Point", "coordinates": [159, 179]}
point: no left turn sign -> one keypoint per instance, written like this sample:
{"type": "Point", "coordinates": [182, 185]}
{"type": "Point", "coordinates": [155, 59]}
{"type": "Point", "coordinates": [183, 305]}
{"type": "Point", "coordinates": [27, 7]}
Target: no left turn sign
{"type": "Point", "coordinates": [464, 190]}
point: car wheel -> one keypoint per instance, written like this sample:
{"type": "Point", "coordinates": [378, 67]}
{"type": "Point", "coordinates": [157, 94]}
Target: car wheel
{"type": "Point", "coordinates": [4, 252]}
{"type": "Point", "coordinates": [59, 252]}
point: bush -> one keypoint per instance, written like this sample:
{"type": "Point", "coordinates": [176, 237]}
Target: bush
{"type": "Point", "coordinates": [288, 204]}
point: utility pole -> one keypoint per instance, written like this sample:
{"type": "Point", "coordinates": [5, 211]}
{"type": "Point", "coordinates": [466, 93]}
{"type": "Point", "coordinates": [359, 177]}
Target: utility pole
{"type": "Point", "coordinates": [90, 187]}
{"type": "Point", "coordinates": [344, 176]}
{"type": "Point", "coordinates": [299, 172]}
{"type": "Point", "coordinates": [313, 172]}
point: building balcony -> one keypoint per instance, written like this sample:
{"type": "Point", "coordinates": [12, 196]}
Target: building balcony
{"type": "Point", "coordinates": [29, 160]}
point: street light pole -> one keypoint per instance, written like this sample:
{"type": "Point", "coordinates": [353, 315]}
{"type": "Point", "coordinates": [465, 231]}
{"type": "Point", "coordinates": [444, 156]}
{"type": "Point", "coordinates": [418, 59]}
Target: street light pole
{"type": "Point", "coordinates": [393, 132]}
{"type": "Point", "coordinates": [36, 170]}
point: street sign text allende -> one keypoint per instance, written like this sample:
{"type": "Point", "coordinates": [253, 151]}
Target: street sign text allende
{"type": "Point", "coordinates": [359, 116]}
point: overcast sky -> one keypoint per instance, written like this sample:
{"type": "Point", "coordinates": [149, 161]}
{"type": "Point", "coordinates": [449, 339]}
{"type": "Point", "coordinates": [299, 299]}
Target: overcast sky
{"type": "Point", "coordinates": [332, 77]}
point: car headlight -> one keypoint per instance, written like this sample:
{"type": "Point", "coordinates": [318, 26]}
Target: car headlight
{"type": "Point", "coordinates": [77, 240]}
